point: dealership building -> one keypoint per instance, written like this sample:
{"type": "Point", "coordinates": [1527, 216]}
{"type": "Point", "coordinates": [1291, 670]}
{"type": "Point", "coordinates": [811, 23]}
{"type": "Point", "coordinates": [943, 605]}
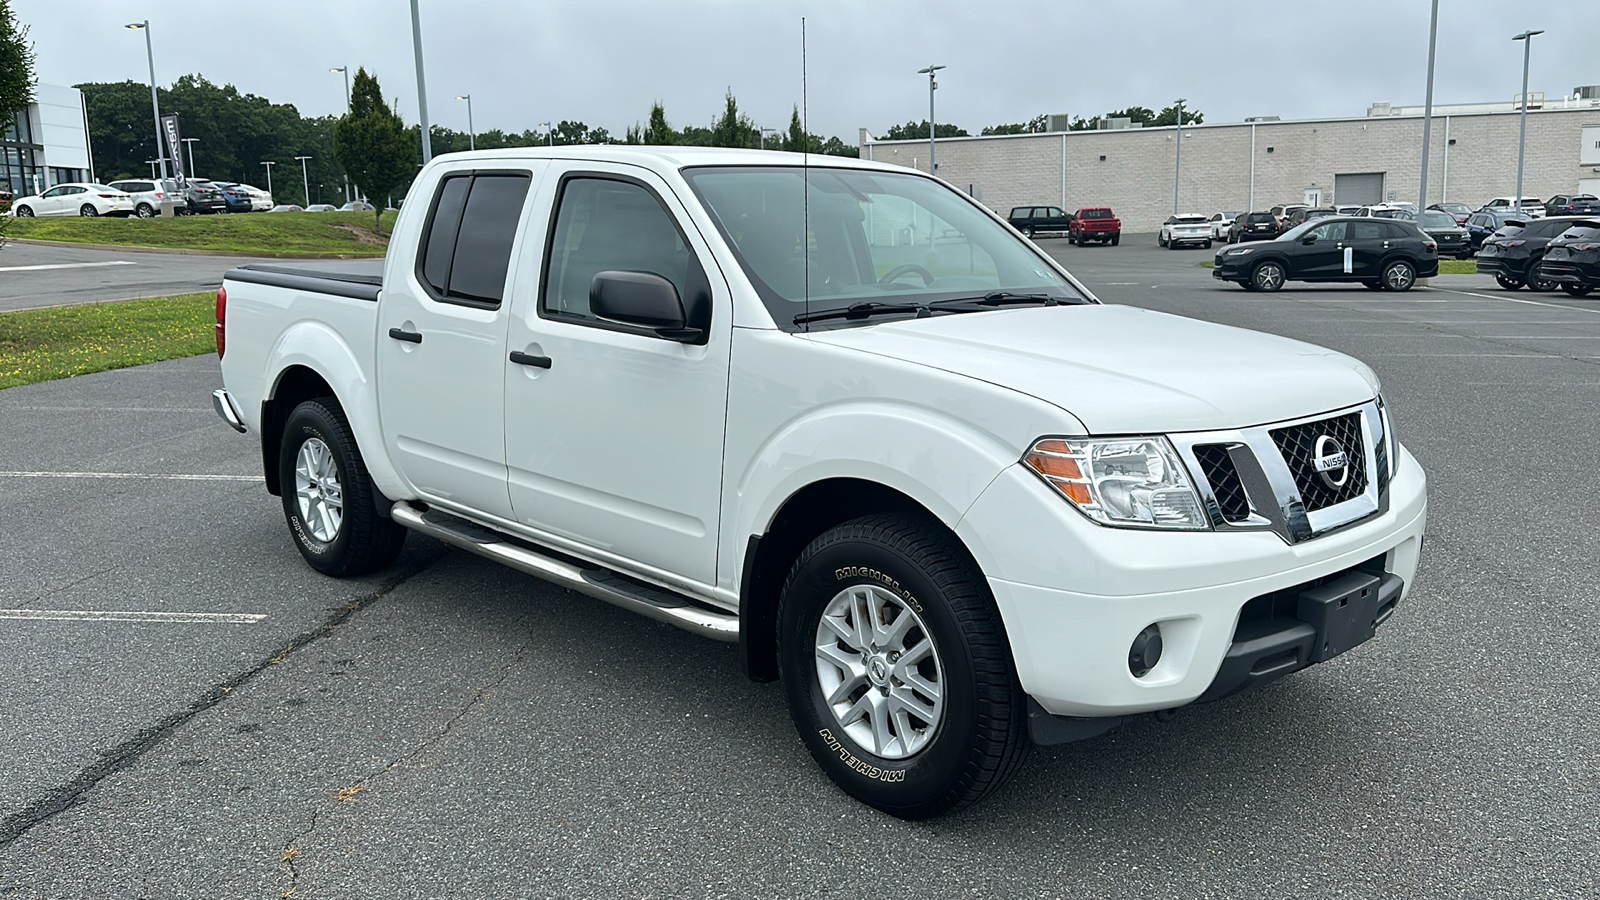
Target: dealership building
{"type": "Point", "coordinates": [46, 144]}
{"type": "Point", "coordinates": [1261, 162]}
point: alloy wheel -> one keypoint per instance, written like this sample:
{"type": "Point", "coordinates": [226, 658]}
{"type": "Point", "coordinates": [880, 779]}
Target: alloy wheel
{"type": "Point", "coordinates": [879, 672]}
{"type": "Point", "coordinates": [317, 490]}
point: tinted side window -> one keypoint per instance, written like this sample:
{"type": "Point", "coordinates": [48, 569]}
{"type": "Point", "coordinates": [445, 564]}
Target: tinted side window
{"type": "Point", "coordinates": [439, 244]}
{"type": "Point", "coordinates": [1368, 231]}
{"type": "Point", "coordinates": [483, 243]}
{"type": "Point", "coordinates": [1332, 231]}
{"type": "Point", "coordinates": [604, 225]}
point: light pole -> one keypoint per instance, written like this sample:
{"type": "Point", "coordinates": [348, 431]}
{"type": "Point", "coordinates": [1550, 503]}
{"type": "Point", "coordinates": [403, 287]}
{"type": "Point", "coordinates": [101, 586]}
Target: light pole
{"type": "Point", "coordinates": [1427, 112]}
{"type": "Point", "coordinates": [152, 164]}
{"type": "Point", "coordinates": [346, 71]}
{"type": "Point", "coordinates": [1522, 139]}
{"type": "Point", "coordinates": [764, 133]}
{"type": "Point", "coordinates": [305, 180]}
{"type": "Point", "coordinates": [190, 142]}
{"type": "Point", "coordinates": [932, 86]}
{"type": "Point", "coordinates": [155, 105]}
{"type": "Point", "coordinates": [269, 164]}
{"type": "Point", "coordinates": [549, 133]}
{"type": "Point", "coordinates": [1177, 165]}
{"type": "Point", "coordinates": [422, 85]}
{"type": "Point", "coordinates": [472, 140]}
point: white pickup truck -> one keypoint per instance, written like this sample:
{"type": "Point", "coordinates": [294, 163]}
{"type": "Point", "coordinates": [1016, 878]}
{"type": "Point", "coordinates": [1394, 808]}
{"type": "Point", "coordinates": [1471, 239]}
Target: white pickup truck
{"type": "Point", "coordinates": [839, 413]}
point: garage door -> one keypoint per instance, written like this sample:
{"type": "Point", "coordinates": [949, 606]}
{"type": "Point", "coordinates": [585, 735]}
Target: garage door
{"type": "Point", "coordinates": [1365, 188]}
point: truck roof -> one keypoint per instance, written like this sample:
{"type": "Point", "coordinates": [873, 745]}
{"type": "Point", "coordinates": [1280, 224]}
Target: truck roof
{"type": "Point", "coordinates": [676, 157]}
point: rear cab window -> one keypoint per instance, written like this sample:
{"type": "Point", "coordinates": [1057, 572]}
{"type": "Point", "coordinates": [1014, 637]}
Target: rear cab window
{"type": "Point", "coordinates": [466, 247]}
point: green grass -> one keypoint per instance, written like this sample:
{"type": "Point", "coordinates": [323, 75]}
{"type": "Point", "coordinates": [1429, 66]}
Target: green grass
{"type": "Point", "coordinates": [1446, 266]}
{"type": "Point", "coordinates": [288, 233]}
{"type": "Point", "coordinates": [45, 344]}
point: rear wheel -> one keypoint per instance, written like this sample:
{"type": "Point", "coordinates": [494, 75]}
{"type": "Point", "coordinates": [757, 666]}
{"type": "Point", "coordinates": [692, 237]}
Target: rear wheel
{"type": "Point", "coordinates": [1208, 245]}
{"type": "Point", "coordinates": [144, 211]}
{"type": "Point", "coordinates": [1027, 231]}
{"type": "Point", "coordinates": [88, 211]}
{"type": "Point", "coordinates": [328, 497]}
{"type": "Point", "coordinates": [1399, 275]}
{"type": "Point", "coordinates": [1268, 276]}
{"type": "Point", "coordinates": [1116, 239]}
{"type": "Point", "coordinates": [897, 668]}
{"type": "Point", "coordinates": [1510, 284]}
{"type": "Point", "coordinates": [1538, 282]}
{"type": "Point", "coordinates": [1578, 290]}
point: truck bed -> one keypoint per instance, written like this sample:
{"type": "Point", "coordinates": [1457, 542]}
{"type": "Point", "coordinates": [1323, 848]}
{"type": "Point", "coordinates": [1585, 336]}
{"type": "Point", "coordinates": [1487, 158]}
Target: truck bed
{"type": "Point", "coordinates": [356, 279]}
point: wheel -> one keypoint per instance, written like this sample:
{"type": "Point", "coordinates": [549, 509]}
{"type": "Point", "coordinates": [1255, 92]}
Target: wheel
{"type": "Point", "coordinates": [897, 668]}
{"type": "Point", "coordinates": [1268, 276]}
{"type": "Point", "coordinates": [1027, 231]}
{"type": "Point", "coordinates": [1208, 244]}
{"type": "Point", "coordinates": [1538, 283]}
{"type": "Point", "coordinates": [1116, 239]}
{"type": "Point", "coordinates": [1578, 290]}
{"type": "Point", "coordinates": [144, 211]}
{"type": "Point", "coordinates": [328, 496]}
{"type": "Point", "coordinates": [25, 212]}
{"type": "Point", "coordinates": [1372, 285]}
{"type": "Point", "coordinates": [1510, 284]}
{"type": "Point", "coordinates": [88, 211]}
{"type": "Point", "coordinates": [1161, 241]}
{"type": "Point", "coordinates": [1399, 275]}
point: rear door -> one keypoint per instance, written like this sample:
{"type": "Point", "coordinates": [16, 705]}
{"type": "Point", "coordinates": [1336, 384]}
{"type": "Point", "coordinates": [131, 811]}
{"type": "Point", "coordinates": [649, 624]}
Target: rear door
{"type": "Point", "coordinates": [1368, 242]}
{"type": "Point", "coordinates": [1056, 219]}
{"type": "Point", "coordinates": [442, 339]}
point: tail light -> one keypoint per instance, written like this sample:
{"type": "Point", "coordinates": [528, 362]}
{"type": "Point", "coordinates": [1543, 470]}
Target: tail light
{"type": "Point", "coordinates": [1430, 246]}
{"type": "Point", "coordinates": [222, 321]}
{"type": "Point", "coordinates": [1582, 247]}
{"type": "Point", "coordinates": [1511, 243]}
{"type": "Point", "coordinates": [108, 196]}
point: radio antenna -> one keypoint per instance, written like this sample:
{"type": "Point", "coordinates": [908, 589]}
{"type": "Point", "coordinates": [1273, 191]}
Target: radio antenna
{"type": "Point", "coordinates": [805, 172]}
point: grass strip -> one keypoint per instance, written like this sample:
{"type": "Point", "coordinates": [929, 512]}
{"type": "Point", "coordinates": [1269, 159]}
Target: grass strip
{"type": "Point", "coordinates": [289, 233]}
{"type": "Point", "coordinates": [46, 344]}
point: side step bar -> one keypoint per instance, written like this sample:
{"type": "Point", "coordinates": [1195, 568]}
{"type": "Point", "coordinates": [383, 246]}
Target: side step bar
{"type": "Point", "coordinates": [601, 584]}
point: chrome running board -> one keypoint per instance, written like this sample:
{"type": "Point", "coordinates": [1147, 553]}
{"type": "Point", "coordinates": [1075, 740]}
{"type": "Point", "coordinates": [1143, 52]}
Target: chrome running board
{"type": "Point", "coordinates": [602, 584]}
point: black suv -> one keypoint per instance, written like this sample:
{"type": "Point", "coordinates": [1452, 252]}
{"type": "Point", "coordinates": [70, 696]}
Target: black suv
{"type": "Point", "coordinates": [1256, 226]}
{"type": "Point", "coordinates": [1453, 239]}
{"type": "Point", "coordinates": [1513, 254]}
{"type": "Point", "coordinates": [1573, 258]}
{"type": "Point", "coordinates": [1572, 205]}
{"type": "Point", "coordinates": [1031, 219]}
{"type": "Point", "coordinates": [1380, 253]}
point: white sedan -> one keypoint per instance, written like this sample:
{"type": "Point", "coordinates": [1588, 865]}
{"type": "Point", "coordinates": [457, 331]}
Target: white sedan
{"type": "Point", "coordinates": [1185, 229]}
{"type": "Point", "coordinates": [76, 199]}
{"type": "Point", "coordinates": [1220, 223]}
{"type": "Point", "coordinates": [260, 201]}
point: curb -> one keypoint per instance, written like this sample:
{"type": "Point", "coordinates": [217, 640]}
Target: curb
{"type": "Point", "coordinates": [180, 251]}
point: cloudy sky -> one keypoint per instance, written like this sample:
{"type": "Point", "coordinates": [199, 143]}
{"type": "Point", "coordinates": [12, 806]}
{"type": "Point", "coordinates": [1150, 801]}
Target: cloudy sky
{"type": "Point", "coordinates": [604, 61]}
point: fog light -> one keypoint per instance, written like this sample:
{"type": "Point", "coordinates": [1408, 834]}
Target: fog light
{"type": "Point", "coordinates": [1145, 652]}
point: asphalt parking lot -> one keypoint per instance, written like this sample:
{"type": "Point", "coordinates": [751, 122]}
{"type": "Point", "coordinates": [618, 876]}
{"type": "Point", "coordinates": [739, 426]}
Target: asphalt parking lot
{"type": "Point", "coordinates": [191, 711]}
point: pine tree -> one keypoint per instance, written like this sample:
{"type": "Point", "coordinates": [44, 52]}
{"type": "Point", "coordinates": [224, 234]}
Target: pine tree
{"type": "Point", "coordinates": [734, 129]}
{"type": "Point", "coordinates": [658, 131]}
{"type": "Point", "coordinates": [16, 65]}
{"type": "Point", "coordinates": [372, 143]}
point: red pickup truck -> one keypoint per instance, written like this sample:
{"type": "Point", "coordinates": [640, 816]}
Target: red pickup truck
{"type": "Point", "coordinates": [1096, 223]}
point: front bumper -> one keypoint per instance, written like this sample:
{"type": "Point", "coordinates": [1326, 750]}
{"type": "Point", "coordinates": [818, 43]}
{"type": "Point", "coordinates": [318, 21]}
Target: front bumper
{"type": "Point", "coordinates": [1074, 595]}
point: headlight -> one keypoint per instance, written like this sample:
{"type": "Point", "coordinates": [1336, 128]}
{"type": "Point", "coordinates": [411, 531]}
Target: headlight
{"type": "Point", "coordinates": [1240, 251]}
{"type": "Point", "coordinates": [1135, 481]}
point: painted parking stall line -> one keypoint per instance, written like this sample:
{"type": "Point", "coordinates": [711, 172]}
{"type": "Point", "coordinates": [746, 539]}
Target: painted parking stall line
{"type": "Point", "coordinates": [151, 616]}
{"type": "Point", "coordinates": [157, 476]}
{"type": "Point", "coordinates": [82, 265]}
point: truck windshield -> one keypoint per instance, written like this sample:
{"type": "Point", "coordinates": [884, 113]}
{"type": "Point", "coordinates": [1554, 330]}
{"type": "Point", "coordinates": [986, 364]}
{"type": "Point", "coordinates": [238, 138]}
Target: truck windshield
{"type": "Point", "coordinates": [821, 239]}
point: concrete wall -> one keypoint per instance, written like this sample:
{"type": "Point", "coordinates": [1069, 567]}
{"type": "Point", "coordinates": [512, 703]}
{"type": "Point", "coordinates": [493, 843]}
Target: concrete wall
{"type": "Point", "coordinates": [1136, 176]}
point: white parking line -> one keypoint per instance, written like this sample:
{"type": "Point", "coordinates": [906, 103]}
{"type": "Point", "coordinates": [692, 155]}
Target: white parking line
{"type": "Point", "coordinates": [87, 265]}
{"type": "Point", "coordinates": [164, 476]}
{"type": "Point", "coordinates": [1561, 306]}
{"type": "Point", "coordinates": [91, 615]}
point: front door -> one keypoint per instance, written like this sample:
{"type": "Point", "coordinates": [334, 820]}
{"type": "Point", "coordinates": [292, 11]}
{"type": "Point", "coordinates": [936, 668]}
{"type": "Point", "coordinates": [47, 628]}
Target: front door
{"type": "Point", "coordinates": [442, 339]}
{"type": "Point", "coordinates": [613, 432]}
{"type": "Point", "coordinates": [52, 202]}
{"type": "Point", "coordinates": [1326, 257]}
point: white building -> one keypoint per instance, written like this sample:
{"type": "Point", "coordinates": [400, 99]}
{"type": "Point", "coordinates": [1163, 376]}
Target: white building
{"type": "Point", "coordinates": [48, 143]}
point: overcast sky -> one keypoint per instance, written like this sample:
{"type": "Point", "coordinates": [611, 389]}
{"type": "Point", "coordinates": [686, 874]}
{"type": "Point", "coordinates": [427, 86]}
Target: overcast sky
{"type": "Point", "coordinates": [604, 61]}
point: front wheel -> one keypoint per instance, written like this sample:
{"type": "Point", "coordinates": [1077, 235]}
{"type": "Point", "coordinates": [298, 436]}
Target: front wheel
{"type": "Point", "coordinates": [1268, 277]}
{"type": "Point", "coordinates": [897, 668]}
{"type": "Point", "coordinates": [1161, 240]}
{"type": "Point", "coordinates": [88, 211]}
{"type": "Point", "coordinates": [1399, 275]}
{"type": "Point", "coordinates": [25, 212]}
{"type": "Point", "coordinates": [1578, 290]}
{"type": "Point", "coordinates": [328, 497]}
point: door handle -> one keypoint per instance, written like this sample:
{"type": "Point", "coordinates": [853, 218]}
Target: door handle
{"type": "Point", "coordinates": [527, 359]}
{"type": "Point", "coordinates": [410, 337]}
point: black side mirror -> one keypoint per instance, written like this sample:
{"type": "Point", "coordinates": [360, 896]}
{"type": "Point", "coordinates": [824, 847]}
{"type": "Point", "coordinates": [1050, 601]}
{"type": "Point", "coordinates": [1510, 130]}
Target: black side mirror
{"type": "Point", "coordinates": [1309, 239]}
{"type": "Point", "coordinates": [640, 298]}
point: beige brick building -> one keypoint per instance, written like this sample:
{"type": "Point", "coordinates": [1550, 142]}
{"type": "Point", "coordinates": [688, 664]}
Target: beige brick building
{"type": "Point", "coordinates": [1474, 158]}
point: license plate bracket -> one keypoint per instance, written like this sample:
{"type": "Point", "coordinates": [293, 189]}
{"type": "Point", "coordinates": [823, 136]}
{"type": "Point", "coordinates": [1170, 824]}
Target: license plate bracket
{"type": "Point", "coordinates": [1344, 612]}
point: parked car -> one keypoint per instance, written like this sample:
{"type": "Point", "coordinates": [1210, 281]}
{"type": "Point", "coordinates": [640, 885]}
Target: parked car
{"type": "Point", "coordinates": [1306, 214]}
{"type": "Point", "coordinates": [1572, 205]}
{"type": "Point", "coordinates": [1459, 210]}
{"type": "Point", "coordinates": [1513, 254]}
{"type": "Point", "coordinates": [1348, 209]}
{"type": "Point", "coordinates": [1530, 206]}
{"type": "Point", "coordinates": [1256, 226]}
{"type": "Point", "coordinates": [78, 198]}
{"type": "Point", "coordinates": [238, 199]}
{"type": "Point", "coordinates": [1388, 211]}
{"type": "Point", "coordinates": [322, 207]}
{"type": "Point", "coordinates": [1453, 240]}
{"type": "Point", "coordinates": [260, 201]}
{"type": "Point", "coordinates": [203, 198]}
{"type": "Point", "coordinates": [1572, 258]}
{"type": "Point", "coordinates": [1282, 211]}
{"type": "Point", "coordinates": [357, 206]}
{"type": "Point", "coordinates": [1185, 229]}
{"type": "Point", "coordinates": [148, 195]}
{"type": "Point", "coordinates": [1220, 223]}
{"type": "Point", "coordinates": [1380, 253]}
{"type": "Point", "coordinates": [288, 207]}
{"type": "Point", "coordinates": [974, 507]}
{"type": "Point", "coordinates": [1095, 223]}
{"type": "Point", "coordinates": [1481, 225]}
{"type": "Point", "coordinates": [1033, 219]}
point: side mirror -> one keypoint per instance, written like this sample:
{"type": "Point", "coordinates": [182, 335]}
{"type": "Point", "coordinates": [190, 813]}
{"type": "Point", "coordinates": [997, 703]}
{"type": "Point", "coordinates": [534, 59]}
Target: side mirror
{"type": "Point", "coordinates": [640, 298]}
{"type": "Point", "coordinates": [1309, 239]}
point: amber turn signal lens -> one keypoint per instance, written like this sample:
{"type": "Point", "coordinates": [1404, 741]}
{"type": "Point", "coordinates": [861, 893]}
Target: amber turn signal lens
{"type": "Point", "coordinates": [1061, 471]}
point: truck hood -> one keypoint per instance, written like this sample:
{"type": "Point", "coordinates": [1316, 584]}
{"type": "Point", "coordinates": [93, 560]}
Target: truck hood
{"type": "Point", "coordinates": [1125, 370]}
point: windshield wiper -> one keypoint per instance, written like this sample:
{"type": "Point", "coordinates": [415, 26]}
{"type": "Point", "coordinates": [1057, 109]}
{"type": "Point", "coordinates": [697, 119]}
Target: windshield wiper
{"type": "Point", "coordinates": [1000, 298]}
{"type": "Point", "coordinates": [864, 310]}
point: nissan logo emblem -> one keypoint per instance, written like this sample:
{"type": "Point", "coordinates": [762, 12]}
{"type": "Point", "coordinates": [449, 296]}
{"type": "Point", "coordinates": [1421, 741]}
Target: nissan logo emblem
{"type": "Point", "coordinates": [1331, 462]}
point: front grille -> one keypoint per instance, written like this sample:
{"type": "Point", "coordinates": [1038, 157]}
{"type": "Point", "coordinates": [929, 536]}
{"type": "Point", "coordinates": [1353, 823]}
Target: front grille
{"type": "Point", "coordinates": [1298, 444]}
{"type": "Point", "coordinates": [1217, 467]}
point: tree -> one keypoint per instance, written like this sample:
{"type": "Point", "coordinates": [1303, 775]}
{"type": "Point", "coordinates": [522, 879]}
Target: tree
{"type": "Point", "coordinates": [372, 144]}
{"type": "Point", "coordinates": [734, 129]}
{"type": "Point", "coordinates": [914, 131]}
{"type": "Point", "coordinates": [658, 131]}
{"type": "Point", "coordinates": [16, 65]}
{"type": "Point", "coordinates": [1035, 125]}
{"type": "Point", "coordinates": [1169, 116]}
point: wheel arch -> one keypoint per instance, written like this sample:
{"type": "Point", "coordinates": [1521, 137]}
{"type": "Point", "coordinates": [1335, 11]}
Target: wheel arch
{"type": "Point", "coordinates": [293, 386]}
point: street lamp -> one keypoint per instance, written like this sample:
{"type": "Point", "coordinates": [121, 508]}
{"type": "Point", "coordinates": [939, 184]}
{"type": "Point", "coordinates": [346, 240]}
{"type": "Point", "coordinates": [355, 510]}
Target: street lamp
{"type": "Point", "coordinates": [190, 142]}
{"type": "Point", "coordinates": [550, 134]}
{"type": "Point", "coordinates": [155, 105]}
{"type": "Point", "coordinates": [472, 140]}
{"type": "Point", "coordinates": [346, 71]}
{"type": "Point", "coordinates": [422, 86]}
{"type": "Point", "coordinates": [305, 180]}
{"type": "Point", "coordinates": [932, 86]}
{"type": "Point", "coordinates": [764, 132]}
{"type": "Point", "coordinates": [269, 164]}
{"type": "Point", "coordinates": [1427, 115]}
{"type": "Point", "coordinates": [1522, 139]}
{"type": "Point", "coordinates": [1177, 165]}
